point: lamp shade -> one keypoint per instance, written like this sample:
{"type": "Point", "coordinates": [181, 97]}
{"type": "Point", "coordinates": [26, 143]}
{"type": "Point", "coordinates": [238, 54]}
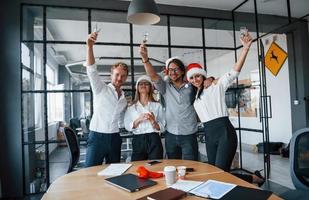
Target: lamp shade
{"type": "Point", "coordinates": [143, 12]}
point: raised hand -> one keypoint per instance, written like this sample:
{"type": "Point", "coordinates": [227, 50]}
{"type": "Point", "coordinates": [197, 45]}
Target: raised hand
{"type": "Point", "coordinates": [143, 52]}
{"type": "Point", "coordinates": [91, 39]}
{"type": "Point", "coordinates": [246, 40]}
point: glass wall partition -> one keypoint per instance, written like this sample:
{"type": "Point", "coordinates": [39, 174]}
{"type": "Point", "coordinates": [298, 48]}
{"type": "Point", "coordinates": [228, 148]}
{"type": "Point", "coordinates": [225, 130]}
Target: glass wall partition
{"type": "Point", "coordinates": [55, 85]}
{"type": "Point", "coordinates": [56, 90]}
{"type": "Point", "coordinates": [186, 31]}
{"type": "Point", "coordinates": [155, 34]}
{"type": "Point", "coordinates": [112, 26]}
{"type": "Point", "coordinates": [65, 24]}
{"type": "Point", "coordinates": [298, 10]}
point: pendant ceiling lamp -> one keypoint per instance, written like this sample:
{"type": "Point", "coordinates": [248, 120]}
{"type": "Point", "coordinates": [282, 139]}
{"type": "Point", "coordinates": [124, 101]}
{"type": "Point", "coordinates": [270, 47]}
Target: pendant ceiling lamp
{"type": "Point", "coordinates": [143, 12]}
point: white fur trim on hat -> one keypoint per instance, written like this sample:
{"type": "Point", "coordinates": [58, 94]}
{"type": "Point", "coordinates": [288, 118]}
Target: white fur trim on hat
{"type": "Point", "coordinates": [143, 78]}
{"type": "Point", "coordinates": [196, 70]}
{"type": "Point", "coordinates": [170, 59]}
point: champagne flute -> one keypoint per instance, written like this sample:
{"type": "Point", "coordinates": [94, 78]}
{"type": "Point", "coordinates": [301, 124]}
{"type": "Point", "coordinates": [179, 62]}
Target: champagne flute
{"type": "Point", "coordinates": [146, 34]}
{"type": "Point", "coordinates": [96, 29]}
{"type": "Point", "coordinates": [243, 31]}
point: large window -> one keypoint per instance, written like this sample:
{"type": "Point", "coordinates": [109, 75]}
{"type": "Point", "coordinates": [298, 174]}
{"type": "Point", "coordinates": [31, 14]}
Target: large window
{"type": "Point", "coordinates": [55, 87]}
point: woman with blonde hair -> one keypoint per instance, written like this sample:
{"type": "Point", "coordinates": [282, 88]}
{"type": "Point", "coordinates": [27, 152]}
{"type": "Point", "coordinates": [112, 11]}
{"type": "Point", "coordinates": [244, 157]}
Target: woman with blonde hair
{"type": "Point", "coordinates": [145, 118]}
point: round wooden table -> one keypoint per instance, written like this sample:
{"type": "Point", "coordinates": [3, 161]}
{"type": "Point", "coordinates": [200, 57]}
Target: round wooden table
{"type": "Point", "coordinates": [86, 184]}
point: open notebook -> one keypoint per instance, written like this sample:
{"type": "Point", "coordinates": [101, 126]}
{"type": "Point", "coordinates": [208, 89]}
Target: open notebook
{"type": "Point", "coordinates": [114, 169]}
{"type": "Point", "coordinates": [220, 190]}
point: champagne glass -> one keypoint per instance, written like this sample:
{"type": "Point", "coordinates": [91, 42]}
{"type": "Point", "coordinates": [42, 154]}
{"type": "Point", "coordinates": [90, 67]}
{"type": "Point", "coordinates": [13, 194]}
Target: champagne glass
{"type": "Point", "coordinates": [146, 34]}
{"type": "Point", "coordinates": [96, 28]}
{"type": "Point", "coordinates": [243, 31]}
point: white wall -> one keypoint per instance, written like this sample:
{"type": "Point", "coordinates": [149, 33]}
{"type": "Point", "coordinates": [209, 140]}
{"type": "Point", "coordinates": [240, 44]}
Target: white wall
{"type": "Point", "coordinates": [280, 127]}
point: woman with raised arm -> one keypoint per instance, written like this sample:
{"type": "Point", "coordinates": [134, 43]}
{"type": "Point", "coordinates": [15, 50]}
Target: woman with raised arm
{"type": "Point", "coordinates": [209, 104]}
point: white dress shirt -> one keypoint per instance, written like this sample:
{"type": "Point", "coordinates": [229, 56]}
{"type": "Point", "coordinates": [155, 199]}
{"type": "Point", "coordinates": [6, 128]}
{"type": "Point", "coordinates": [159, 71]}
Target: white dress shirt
{"type": "Point", "coordinates": [211, 104]}
{"type": "Point", "coordinates": [134, 111]}
{"type": "Point", "coordinates": [108, 109]}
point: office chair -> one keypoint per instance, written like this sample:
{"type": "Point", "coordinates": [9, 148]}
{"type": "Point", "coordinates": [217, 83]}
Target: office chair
{"type": "Point", "coordinates": [73, 144]}
{"type": "Point", "coordinates": [74, 123]}
{"type": "Point", "coordinates": [299, 159]}
{"type": "Point", "coordinates": [84, 124]}
{"type": "Point", "coordinates": [299, 166]}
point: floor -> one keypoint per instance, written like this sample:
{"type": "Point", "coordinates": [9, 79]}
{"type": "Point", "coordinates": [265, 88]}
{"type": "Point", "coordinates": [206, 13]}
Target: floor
{"type": "Point", "coordinates": [279, 172]}
{"type": "Point", "coordinates": [279, 182]}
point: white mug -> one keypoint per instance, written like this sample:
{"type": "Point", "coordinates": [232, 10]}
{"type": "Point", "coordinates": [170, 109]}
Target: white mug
{"type": "Point", "coordinates": [170, 175]}
{"type": "Point", "coordinates": [181, 172]}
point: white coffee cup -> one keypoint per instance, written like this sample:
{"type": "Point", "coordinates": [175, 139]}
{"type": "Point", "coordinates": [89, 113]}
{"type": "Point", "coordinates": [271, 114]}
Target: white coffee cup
{"type": "Point", "coordinates": [170, 175]}
{"type": "Point", "coordinates": [181, 172]}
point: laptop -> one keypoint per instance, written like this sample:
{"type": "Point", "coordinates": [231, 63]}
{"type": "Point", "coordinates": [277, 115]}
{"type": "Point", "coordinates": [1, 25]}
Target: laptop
{"type": "Point", "coordinates": [130, 182]}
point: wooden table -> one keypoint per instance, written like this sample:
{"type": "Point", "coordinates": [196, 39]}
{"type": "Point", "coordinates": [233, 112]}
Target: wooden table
{"type": "Point", "coordinates": [86, 184]}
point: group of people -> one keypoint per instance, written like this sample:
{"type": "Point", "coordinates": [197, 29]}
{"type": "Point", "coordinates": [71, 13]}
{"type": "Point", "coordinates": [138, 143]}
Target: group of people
{"type": "Point", "coordinates": [200, 97]}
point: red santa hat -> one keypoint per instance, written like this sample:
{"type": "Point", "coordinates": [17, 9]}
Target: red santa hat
{"type": "Point", "coordinates": [195, 68]}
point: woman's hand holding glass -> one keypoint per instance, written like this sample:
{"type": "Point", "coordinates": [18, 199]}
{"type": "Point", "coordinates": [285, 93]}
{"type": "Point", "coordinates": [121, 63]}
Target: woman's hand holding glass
{"type": "Point", "coordinates": [144, 117]}
{"type": "Point", "coordinates": [246, 40]}
{"type": "Point", "coordinates": [150, 117]}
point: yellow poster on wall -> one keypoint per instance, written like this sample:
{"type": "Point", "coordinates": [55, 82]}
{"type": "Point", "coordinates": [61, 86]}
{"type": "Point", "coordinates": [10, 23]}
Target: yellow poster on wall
{"type": "Point", "coordinates": [275, 58]}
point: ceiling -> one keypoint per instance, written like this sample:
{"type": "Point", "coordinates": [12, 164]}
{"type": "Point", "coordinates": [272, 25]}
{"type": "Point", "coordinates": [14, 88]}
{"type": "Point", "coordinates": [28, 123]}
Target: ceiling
{"type": "Point", "coordinates": [299, 8]}
{"type": "Point", "coordinates": [76, 29]}
{"type": "Point", "coordinates": [214, 4]}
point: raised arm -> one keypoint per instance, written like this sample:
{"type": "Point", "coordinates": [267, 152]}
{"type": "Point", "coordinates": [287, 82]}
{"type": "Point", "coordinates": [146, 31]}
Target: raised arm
{"type": "Point", "coordinates": [246, 42]}
{"type": "Point", "coordinates": [148, 66]}
{"type": "Point", "coordinates": [97, 85]}
{"type": "Point", "coordinates": [90, 42]}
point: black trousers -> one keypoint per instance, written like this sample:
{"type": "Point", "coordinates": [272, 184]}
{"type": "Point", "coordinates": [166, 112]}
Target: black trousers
{"type": "Point", "coordinates": [147, 146]}
{"type": "Point", "coordinates": [221, 142]}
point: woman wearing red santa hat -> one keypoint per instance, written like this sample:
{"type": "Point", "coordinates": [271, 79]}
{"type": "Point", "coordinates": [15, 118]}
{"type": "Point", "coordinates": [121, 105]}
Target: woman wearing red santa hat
{"type": "Point", "coordinates": [209, 104]}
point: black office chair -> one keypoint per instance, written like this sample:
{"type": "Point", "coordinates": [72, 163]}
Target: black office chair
{"type": "Point", "coordinates": [299, 159]}
{"type": "Point", "coordinates": [73, 145]}
{"type": "Point", "coordinates": [84, 124]}
{"type": "Point", "coordinates": [74, 123]}
{"type": "Point", "coordinates": [299, 165]}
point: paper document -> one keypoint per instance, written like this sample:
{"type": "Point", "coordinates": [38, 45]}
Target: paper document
{"type": "Point", "coordinates": [213, 189]}
{"type": "Point", "coordinates": [114, 169]}
{"type": "Point", "coordinates": [185, 185]}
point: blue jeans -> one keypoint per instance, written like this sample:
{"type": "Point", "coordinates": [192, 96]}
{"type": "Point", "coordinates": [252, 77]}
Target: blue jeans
{"type": "Point", "coordinates": [103, 145]}
{"type": "Point", "coordinates": [181, 146]}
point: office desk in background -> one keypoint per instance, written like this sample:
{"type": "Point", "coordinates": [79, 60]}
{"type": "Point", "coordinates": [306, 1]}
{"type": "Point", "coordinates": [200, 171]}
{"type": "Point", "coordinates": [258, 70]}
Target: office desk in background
{"type": "Point", "coordinates": [86, 184]}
